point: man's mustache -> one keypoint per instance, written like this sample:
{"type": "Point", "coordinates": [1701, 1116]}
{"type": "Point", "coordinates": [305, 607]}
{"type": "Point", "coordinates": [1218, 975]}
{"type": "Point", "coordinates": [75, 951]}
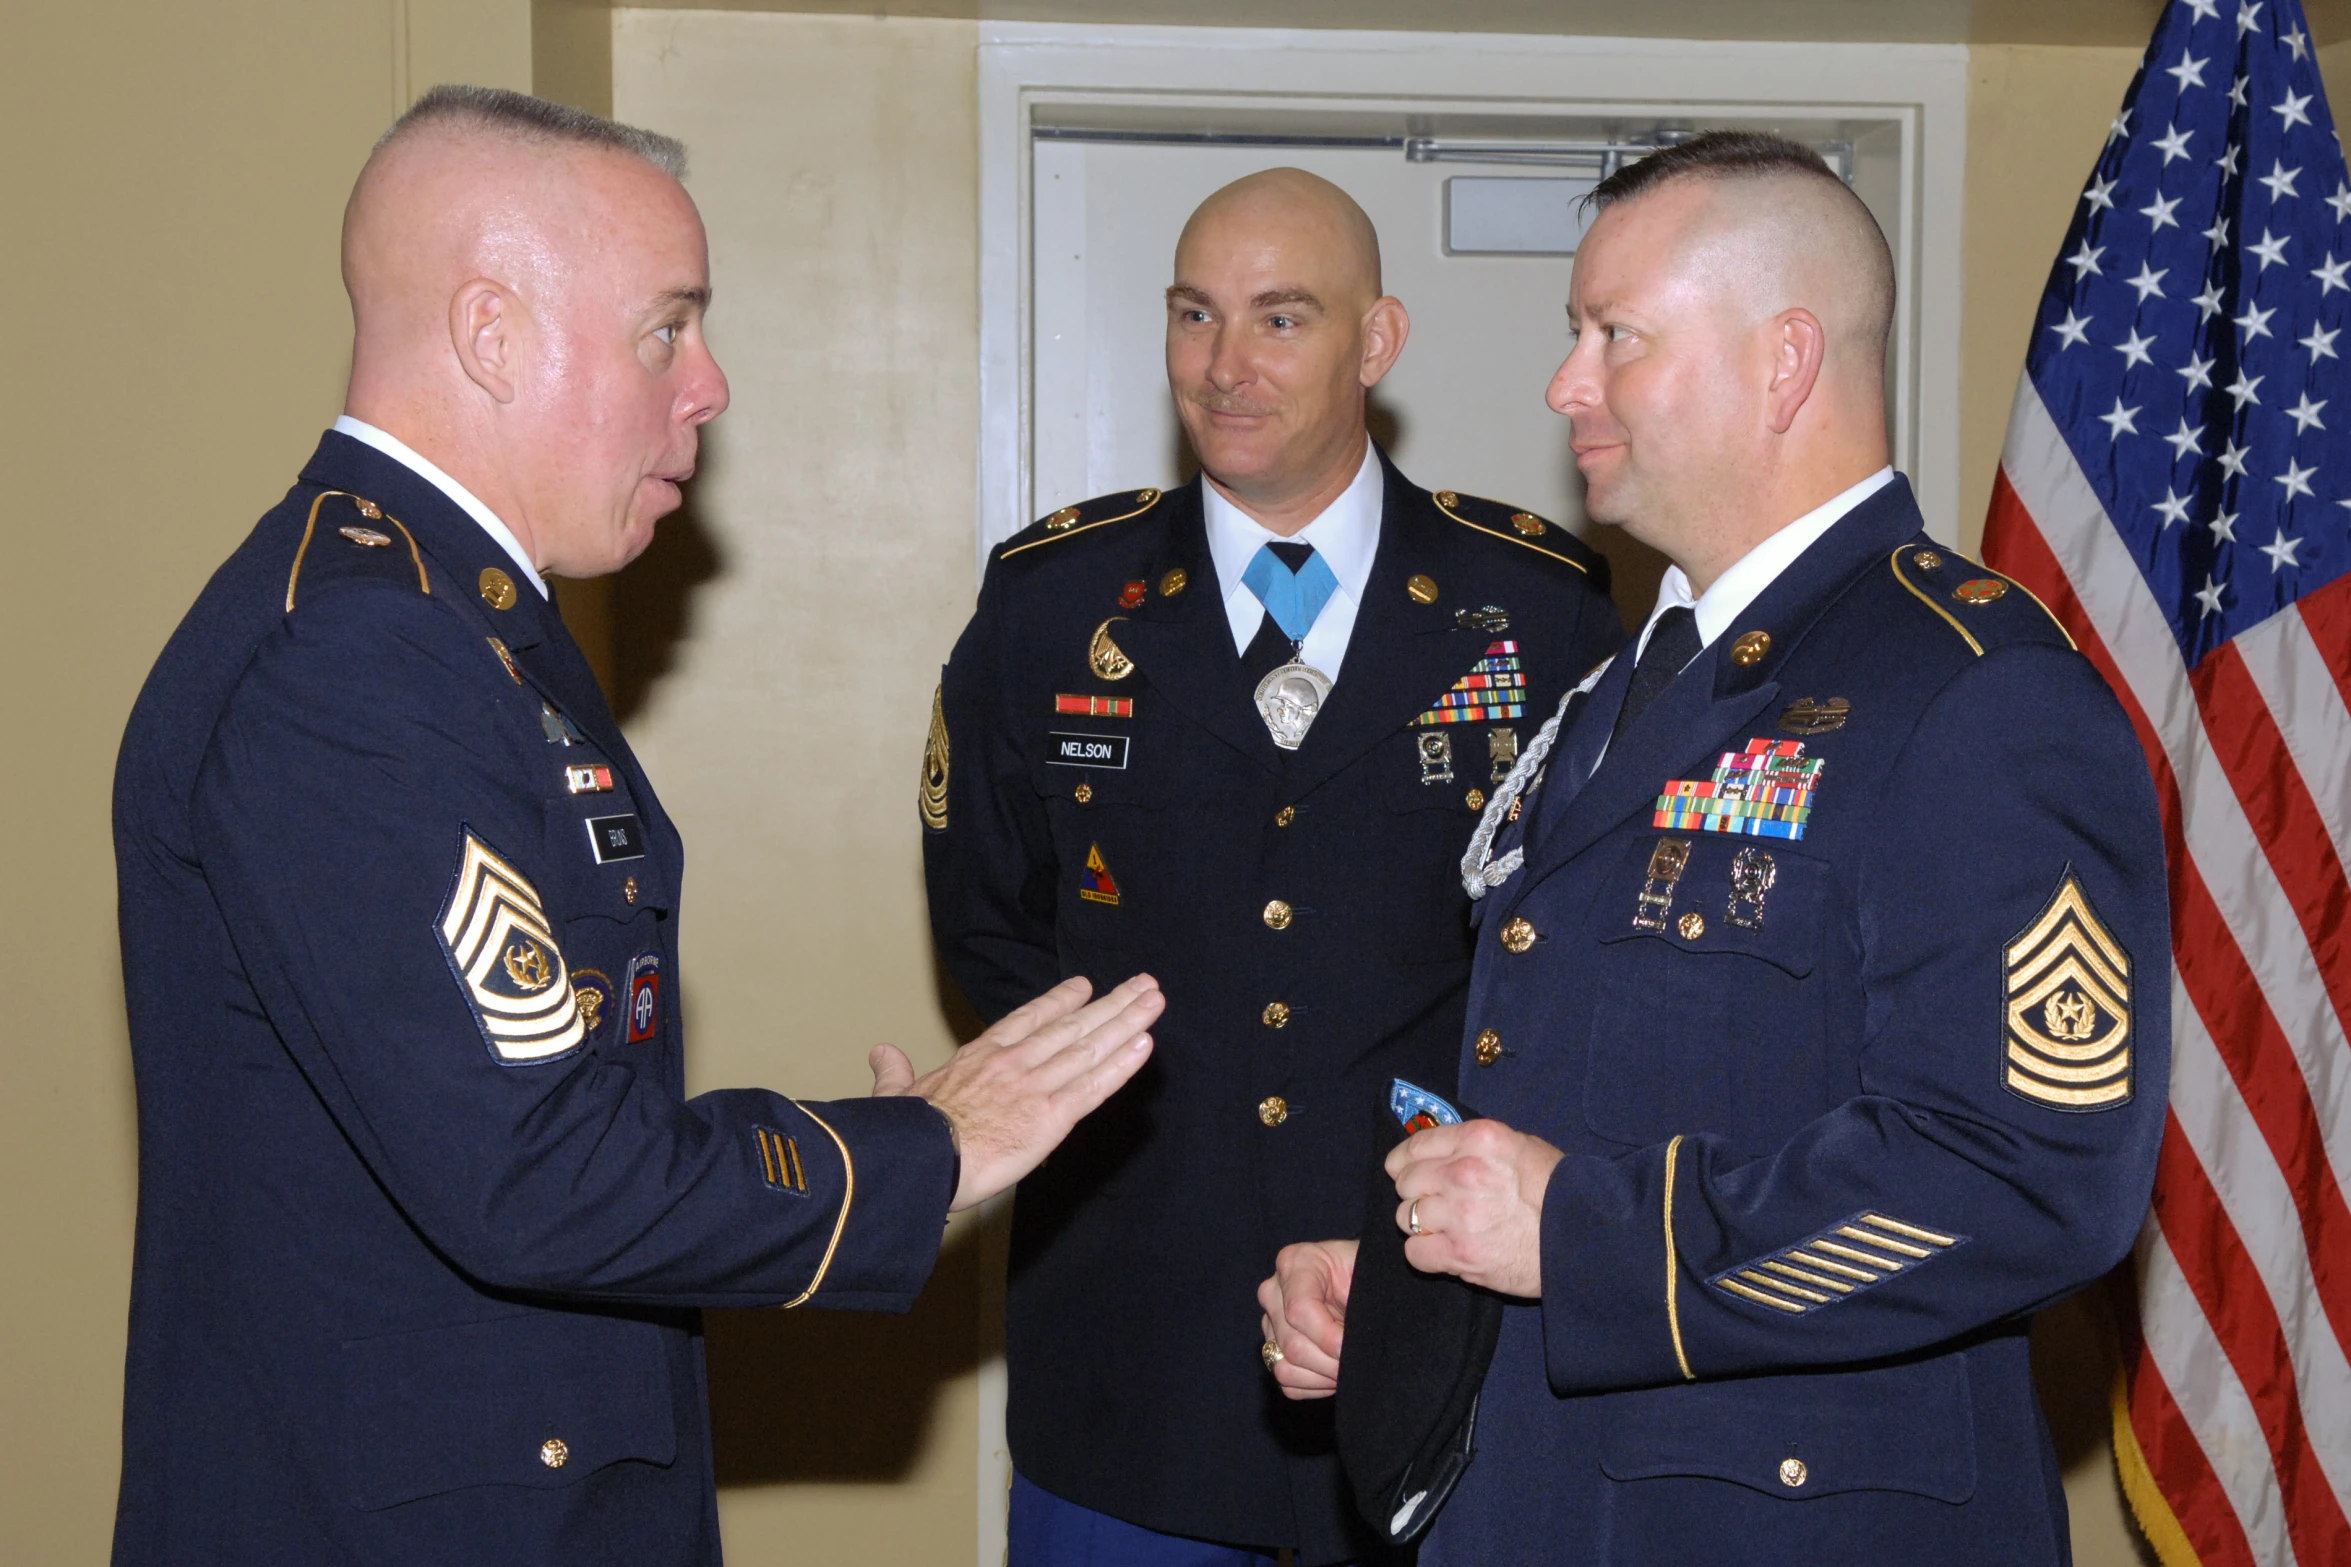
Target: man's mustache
{"type": "Point", "coordinates": [1226, 403]}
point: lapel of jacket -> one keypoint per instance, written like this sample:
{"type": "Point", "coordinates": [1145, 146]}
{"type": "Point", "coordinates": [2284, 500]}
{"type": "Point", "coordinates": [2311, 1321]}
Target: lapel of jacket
{"type": "Point", "coordinates": [1708, 709]}
{"type": "Point", "coordinates": [1183, 645]}
{"type": "Point", "coordinates": [1402, 654]}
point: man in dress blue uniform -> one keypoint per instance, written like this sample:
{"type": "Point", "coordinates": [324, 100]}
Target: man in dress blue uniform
{"type": "Point", "coordinates": [425, 1215]}
{"type": "Point", "coordinates": [1820, 991]}
{"type": "Point", "coordinates": [1239, 731]}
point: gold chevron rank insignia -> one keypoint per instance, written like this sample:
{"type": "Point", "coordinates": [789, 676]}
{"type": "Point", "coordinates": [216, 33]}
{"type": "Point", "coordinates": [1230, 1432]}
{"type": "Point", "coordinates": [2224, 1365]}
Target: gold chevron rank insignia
{"type": "Point", "coordinates": [496, 934]}
{"type": "Point", "coordinates": [2068, 1018]}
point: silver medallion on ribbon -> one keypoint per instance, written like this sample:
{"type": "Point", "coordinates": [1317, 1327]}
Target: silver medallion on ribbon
{"type": "Point", "coordinates": [1288, 700]}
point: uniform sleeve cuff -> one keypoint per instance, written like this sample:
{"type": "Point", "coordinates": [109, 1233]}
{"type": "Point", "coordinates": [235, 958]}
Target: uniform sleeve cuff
{"type": "Point", "coordinates": [1611, 1278]}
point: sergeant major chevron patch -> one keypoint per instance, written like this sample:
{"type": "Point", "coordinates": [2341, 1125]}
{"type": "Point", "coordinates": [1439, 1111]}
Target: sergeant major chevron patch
{"type": "Point", "coordinates": [495, 932]}
{"type": "Point", "coordinates": [2068, 1008]}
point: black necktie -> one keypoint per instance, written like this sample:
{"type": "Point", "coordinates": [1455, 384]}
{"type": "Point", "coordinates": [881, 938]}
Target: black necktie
{"type": "Point", "coordinates": [1270, 649]}
{"type": "Point", "coordinates": [1673, 642]}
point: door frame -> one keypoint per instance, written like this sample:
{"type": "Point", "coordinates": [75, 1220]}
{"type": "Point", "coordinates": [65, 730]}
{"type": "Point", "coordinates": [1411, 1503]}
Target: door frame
{"type": "Point", "coordinates": [1027, 67]}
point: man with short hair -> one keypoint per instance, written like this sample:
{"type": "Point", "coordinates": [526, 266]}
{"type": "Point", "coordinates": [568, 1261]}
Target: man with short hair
{"type": "Point", "coordinates": [425, 1216]}
{"type": "Point", "coordinates": [1238, 731]}
{"type": "Point", "coordinates": [1820, 1002]}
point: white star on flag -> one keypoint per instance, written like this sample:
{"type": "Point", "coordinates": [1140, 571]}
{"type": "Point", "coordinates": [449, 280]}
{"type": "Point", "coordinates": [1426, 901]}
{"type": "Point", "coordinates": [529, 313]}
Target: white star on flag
{"type": "Point", "coordinates": [2297, 479]}
{"type": "Point", "coordinates": [2280, 181]}
{"type": "Point", "coordinates": [2305, 414]}
{"type": "Point", "coordinates": [2120, 420]}
{"type": "Point", "coordinates": [2280, 551]}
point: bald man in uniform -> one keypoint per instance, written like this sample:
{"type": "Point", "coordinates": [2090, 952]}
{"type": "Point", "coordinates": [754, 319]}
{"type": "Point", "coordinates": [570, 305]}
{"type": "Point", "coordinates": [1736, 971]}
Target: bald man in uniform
{"type": "Point", "coordinates": [1237, 732]}
{"type": "Point", "coordinates": [425, 1216]}
{"type": "Point", "coordinates": [1820, 991]}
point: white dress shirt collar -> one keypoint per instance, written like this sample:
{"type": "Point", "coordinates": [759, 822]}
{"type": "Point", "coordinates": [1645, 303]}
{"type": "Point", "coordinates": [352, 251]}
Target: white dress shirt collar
{"type": "Point", "coordinates": [1346, 536]}
{"type": "Point", "coordinates": [1756, 570]}
{"type": "Point", "coordinates": [408, 457]}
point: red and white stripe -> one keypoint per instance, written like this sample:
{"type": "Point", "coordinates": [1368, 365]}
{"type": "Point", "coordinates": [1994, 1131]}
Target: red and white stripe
{"type": "Point", "coordinates": [2241, 1400]}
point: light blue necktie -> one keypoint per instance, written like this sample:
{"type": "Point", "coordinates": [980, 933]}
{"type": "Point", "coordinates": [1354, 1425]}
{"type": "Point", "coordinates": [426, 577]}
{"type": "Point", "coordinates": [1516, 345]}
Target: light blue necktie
{"type": "Point", "coordinates": [1292, 598]}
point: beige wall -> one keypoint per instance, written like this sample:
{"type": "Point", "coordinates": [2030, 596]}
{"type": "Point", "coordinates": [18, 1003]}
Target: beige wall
{"type": "Point", "coordinates": [816, 584]}
{"type": "Point", "coordinates": [181, 339]}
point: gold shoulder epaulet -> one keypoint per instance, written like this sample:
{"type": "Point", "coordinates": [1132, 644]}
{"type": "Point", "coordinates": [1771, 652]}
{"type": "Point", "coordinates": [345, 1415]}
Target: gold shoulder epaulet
{"type": "Point", "coordinates": [366, 535]}
{"type": "Point", "coordinates": [1978, 587]}
{"type": "Point", "coordinates": [1522, 528]}
{"type": "Point", "coordinates": [1071, 521]}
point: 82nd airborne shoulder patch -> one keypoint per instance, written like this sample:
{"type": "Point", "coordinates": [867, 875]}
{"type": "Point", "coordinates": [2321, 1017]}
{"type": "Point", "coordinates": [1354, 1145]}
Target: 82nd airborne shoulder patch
{"type": "Point", "coordinates": [495, 932]}
{"type": "Point", "coordinates": [2067, 1008]}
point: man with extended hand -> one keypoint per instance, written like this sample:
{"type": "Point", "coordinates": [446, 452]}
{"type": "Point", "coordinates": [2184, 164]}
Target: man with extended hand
{"type": "Point", "coordinates": [425, 1216]}
{"type": "Point", "coordinates": [1238, 733]}
{"type": "Point", "coordinates": [1821, 990]}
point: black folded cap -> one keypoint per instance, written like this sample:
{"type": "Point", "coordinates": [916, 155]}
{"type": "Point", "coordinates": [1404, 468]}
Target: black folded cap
{"type": "Point", "coordinates": [1417, 1349]}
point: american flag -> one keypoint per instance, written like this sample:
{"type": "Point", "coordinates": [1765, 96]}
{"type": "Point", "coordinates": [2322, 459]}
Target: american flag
{"type": "Point", "coordinates": [2176, 485]}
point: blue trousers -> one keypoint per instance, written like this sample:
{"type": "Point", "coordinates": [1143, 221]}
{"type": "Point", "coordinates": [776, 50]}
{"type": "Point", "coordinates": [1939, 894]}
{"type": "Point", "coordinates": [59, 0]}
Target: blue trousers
{"type": "Point", "coordinates": [1049, 1532]}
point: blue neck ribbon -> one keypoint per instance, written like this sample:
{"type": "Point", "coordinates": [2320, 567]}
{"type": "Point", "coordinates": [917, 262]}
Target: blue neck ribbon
{"type": "Point", "coordinates": [1293, 599]}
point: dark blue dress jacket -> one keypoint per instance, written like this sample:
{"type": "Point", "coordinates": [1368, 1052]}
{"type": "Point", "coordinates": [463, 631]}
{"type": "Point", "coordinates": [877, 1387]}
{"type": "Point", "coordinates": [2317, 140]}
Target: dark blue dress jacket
{"type": "Point", "coordinates": [424, 1213]}
{"type": "Point", "coordinates": [1303, 910]}
{"type": "Point", "coordinates": [1840, 1110]}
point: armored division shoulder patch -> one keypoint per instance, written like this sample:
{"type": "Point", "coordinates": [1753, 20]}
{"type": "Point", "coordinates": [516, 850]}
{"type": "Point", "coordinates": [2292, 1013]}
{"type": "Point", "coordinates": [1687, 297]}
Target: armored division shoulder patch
{"type": "Point", "coordinates": [2068, 1008]}
{"type": "Point", "coordinates": [931, 799]}
{"type": "Point", "coordinates": [495, 931]}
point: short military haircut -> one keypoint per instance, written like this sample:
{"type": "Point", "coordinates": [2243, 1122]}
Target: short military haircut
{"type": "Point", "coordinates": [1849, 232]}
{"type": "Point", "coordinates": [1717, 155]}
{"type": "Point", "coordinates": [527, 119]}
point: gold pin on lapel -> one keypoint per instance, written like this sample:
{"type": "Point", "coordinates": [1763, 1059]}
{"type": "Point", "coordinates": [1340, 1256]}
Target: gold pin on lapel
{"type": "Point", "coordinates": [1173, 583]}
{"type": "Point", "coordinates": [1750, 648]}
{"type": "Point", "coordinates": [1104, 657]}
{"type": "Point", "coordinates": [497, 588]}
{"type": "Point", "coordinates": [1422, 589]}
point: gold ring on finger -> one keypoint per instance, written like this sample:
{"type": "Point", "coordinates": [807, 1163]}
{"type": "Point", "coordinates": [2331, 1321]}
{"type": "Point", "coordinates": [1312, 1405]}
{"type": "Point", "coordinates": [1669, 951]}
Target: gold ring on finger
{"type": "Point", "coordinates": [1269, 1352]}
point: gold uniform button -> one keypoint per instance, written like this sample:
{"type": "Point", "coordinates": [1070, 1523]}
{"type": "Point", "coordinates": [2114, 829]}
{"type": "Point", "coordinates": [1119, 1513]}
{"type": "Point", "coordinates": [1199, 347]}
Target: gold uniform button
{"type": "Point", "coordinates": [1446, 499]}
{"type": "Point", "coordinates": [1488, 1048]}
{"type": "Point", "coordinates": [628, 889]}
{"type": "Point", "coordinates": [1423, 589]}
{"type": "Point", "coordinates": [1527, 523]}
{"type": "Point", "coordinates": [1980, 591]}
{"type": "Point", "coordinates": [1082, 793]}
{"type": "Point", "coordinates": [1062, 521]}
{"type": "Point", "coordinates": [1286, 815]}
{"type": "Point", "coordinates": [1476, 799]}
{"type": "Point", "coordinates": [1518, 933]}
{"type": "Point", "coordinates": [1927, 560]}
{"type": "Point", "coordinates": [555, 1452]}
{"type": "Point", "coordinates": [497, 588]}
{"type": "Point", "coordinates": [1277, 915]}
{"type": "Point", "coordinates": [1750, 648]}
{"type": "Point", "coordinates": [1793, 1473]}
{"type": "Point", "coordinates": [1276, 1014]}
{"type": "Point", "coordinates": [1273, 1109]}
{"type": "Point", "coordinates": [1693, 926]}
{"type": "Point", "coordinates": [1173, 583]}
{"type": "Point", "coordinates": [368, 509]}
